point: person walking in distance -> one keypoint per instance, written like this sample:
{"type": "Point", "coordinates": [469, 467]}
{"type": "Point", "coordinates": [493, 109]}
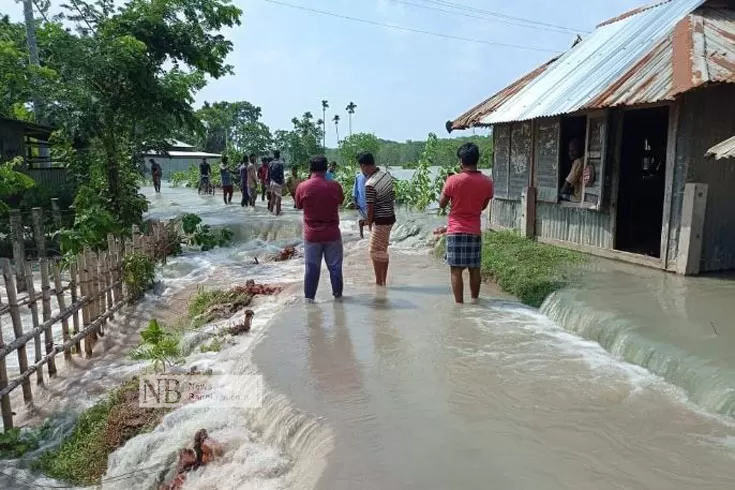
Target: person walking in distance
{"type": "Point", "coordinates": [277, 178]}
{"type": "Point", "coordinates": [156, 173]}
{"type": "Point", "coordinates": [380, 201]}
{"type": "Point", "coordinates": [320, 199]}
{"type": "Point", "coordinates": [469, 193]}
{"type": "Point", "coordinates": [243, 177]}
{"type": "Point", "coordinates": [226, 175]}
{"type": "Point", "coordinates": [252, 178]}
{"type": "Point", "coordinates": [359, 199]}
{"type": "Point", "coordinates": [263, 177]}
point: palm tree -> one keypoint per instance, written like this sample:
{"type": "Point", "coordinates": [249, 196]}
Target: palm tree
{"type": "Point", "coordinates": [335, 119]}
{"type": "Point", "coordinates": [350, 111]}
{"type": "Point", "coordinates": [325, 106]}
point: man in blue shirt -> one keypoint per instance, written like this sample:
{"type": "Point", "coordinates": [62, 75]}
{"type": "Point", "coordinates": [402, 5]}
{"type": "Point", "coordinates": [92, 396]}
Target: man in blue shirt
{"type": "Point", "coordinates": [331, 171]}
{"type": "Point", "coordinates": [360, 200]}
{"type": "Point", "coordinates": [277, 179]}
{"type": "Point", "coordinates": [226, 175]}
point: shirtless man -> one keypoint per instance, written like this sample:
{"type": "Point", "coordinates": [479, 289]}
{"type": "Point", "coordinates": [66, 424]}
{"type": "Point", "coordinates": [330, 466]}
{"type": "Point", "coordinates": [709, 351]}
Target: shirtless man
{"type": "Point", "coordinates": [572, 188]}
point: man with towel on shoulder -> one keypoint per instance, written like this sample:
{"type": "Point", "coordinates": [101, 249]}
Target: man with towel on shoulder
{"type": "Point", "coordinates": [381, 216]}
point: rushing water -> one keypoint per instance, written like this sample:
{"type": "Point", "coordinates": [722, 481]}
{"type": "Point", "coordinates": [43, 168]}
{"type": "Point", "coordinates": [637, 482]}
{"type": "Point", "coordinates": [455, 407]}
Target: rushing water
{"type": "Point", "coordinates": [402, 389]}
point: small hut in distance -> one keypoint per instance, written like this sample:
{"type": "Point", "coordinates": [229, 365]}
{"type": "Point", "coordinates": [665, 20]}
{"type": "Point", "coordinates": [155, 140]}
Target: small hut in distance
{"type": "Point", "coordinates": [179, 158]}
{"type": "Point", "coordinates": [647, 94]}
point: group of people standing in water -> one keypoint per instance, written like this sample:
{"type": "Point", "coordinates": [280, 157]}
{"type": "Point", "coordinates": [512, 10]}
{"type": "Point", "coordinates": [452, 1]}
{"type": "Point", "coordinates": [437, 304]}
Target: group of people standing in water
{"type": "Point", "coordinates": [320, 197]}
{"type": "Point", "coordinates": [468, 194]}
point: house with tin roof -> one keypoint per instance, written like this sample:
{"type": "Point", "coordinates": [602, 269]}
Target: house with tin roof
{"type": "Point", "coordinates": [179, 158]}
{"type": "Point", "coordinates": [645, 96]}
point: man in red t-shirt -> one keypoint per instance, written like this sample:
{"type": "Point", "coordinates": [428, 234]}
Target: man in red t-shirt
{"type": "Point", "coordinates": [469, 192]}
{"type": "Point", "coordinates": [320, 199]}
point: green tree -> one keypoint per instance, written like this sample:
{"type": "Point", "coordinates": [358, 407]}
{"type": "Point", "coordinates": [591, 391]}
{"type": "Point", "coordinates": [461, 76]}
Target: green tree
{"type": "Point", "coordinates": [126, 78]}
{"type": "Point", "coordinates": [302, 142]}
{"type": "Point", "coordinates": [353, 145]}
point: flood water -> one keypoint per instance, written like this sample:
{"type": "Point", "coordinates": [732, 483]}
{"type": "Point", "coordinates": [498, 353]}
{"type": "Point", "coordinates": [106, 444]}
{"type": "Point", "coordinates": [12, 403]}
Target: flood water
{"type": "Point", "coordinates": [399, 388]}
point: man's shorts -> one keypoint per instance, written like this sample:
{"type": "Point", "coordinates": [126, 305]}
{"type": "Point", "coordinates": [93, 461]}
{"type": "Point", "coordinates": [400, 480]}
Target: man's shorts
{"type": "Point", "coordinates": [276, 189]}
{"type": "Point", "coordinates": [464, 250]}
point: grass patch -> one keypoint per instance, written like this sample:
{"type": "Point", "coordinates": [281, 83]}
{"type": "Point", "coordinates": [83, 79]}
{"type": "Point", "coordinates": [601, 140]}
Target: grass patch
{"type": "Point", "coordinates": [215, 345]}
{"type": "Point", "coordinates": [81, 459]}
{"type": "Point", "coordinates": [215, 304]}
{"type": "Point", "coordinates": [16, 442]}
{"type": "Point", "coordinates": [525, 268]}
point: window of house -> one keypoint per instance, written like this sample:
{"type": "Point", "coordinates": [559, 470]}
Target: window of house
{"type": "Point", "coordinates": [512, 166]}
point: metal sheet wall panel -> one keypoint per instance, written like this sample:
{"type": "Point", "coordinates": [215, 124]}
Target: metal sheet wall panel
{"type": "Point", "coordinates": [570, 224]}
{"type": "Point", "coordinates": [505, 214]}
{"type": "Point", "coordinates": [707, 118]}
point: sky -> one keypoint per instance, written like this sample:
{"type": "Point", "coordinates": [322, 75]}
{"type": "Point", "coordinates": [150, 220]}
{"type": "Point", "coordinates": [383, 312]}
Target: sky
{"type": "Point", "coordinates": [405, 84]}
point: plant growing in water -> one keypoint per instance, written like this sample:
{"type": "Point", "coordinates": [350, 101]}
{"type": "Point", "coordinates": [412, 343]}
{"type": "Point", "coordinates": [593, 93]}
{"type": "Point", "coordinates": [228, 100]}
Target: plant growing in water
{"type": "Point", "coordinates": [158, 346]}
{"type": "Point", "coordinates": [139, 274]}
{"type": "Point", "coordinates": [202, 235]}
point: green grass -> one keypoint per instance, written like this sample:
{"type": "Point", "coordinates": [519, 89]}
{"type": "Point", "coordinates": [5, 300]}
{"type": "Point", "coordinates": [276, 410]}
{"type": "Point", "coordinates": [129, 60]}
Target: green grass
{"type": "Point", "coordinates": [81, 459]}
{"type": "Point", "coordinates": [525, 268]}
{"type": "Point", "coordinates": [210, 305]}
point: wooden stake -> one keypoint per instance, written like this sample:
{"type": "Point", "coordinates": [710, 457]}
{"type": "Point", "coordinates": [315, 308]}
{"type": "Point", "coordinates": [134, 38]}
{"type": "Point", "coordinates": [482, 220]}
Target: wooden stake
{"type": "Point", "coordinates": [56, 213]}
{"type": "Point", "coordinates": [62, 306]}
{"type": "Point", "coordinates": [5, 408]}
{"type": "Point", "coordinates": [73, 285]}
{"type": "Point", "coordinates": [33, 305]}
{"type": "Point", "coordinates": [37, 216]}
{"type": "Point", "coordinates": [48, 334]}
{"type": "Point", "coordinates": [17, 325]}
{"type": "Point", "coordinates": [19, 247]}
{"type": "Point", "coordinates": [84, 291]}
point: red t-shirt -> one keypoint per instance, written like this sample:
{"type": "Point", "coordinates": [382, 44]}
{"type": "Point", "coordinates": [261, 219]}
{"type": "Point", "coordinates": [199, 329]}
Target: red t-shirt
{"type": "Point", "coordinates": [320, 199]}
{"type": "Point", "coordinates": [467, 191]}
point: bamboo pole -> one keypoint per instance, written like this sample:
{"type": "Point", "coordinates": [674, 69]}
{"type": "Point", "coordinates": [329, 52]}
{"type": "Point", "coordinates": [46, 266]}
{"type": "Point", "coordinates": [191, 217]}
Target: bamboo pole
{"type": "Point", "coordinates": [62, 306]}
{"type": "Point", "coordinates": [84, 291]}
{"type": "Point", "coordinates": [33, 305]}
{"type": "Point", "coordinates": [73, 285]}
{"type": "Point", "coordinates": [109, 280]}
{"type": "Point", "coordinates": [37, 216]}
{"type": "Point", "coordinates": [92, 291]}
{"type": "Point", "coordinates": [17, 325]}
{"type": "Point", "coordinates": [5, 408]}
{"type": "Point", "coordinates": [100, 289]}
{"type": "Point", "coordinates": [48, 334]}
{"type": "Point", "coordinates": [19, 247]}
{"type": "Point", "coordinates": [119, 251]}
{"type": "Point", "coordinates": [56, 213]}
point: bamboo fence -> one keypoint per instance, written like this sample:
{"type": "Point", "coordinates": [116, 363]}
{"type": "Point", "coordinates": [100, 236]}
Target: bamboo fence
{"type": "Point", "coordinates": [93, 283]}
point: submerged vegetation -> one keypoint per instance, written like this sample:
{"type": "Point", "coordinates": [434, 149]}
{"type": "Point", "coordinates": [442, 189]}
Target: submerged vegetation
{"type": "Point", "coordinates": [529, 270]}
{"type": "Point", "coordinates": [210, 305]}
{"type": "Point", "coordinates": [159, 345]}
{"type": "Point", "coordinates": [81, 458]}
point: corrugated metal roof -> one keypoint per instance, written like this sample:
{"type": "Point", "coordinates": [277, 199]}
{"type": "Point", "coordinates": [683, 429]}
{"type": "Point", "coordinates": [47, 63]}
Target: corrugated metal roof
{"type": "Point", "coordinates": [470, 118]}
{"type": "Point", "coordinates": [649, 55]}
{"type": "Point", "coordinates": [726, 149]}
{"type": "Point", "coordinates": [587, 71]}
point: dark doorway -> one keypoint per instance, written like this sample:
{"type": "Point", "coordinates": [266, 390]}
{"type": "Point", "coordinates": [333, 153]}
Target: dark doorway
{"type": "Point", "coordinates": [571, 128]}
{"type": "Point", "coordinates": [641, 191]}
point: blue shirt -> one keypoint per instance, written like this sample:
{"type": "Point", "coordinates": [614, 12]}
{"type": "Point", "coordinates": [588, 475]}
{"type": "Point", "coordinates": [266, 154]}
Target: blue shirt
{"type": "Point", "coordinates": [358, 191]}
{"type": "Point", "coordinates": [226, 176]}
{"type": "Point", "coordinates": [329, 175]}
{"type": "Point", "coordinates": [276, 172]}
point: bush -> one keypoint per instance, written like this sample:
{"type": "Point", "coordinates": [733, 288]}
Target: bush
{"type": "Point", "coordinates": [139, 274]}
{"type": "Point", "coordinates": [16, 442]}
{"type": "Point", "coordinates": [210, 305]}
{"type": "Point", "coordinates": [202, 235]}
{"type": "Point", "coordinates": [524, 268]}
{"type": "Point", "coordinates": [158, 346]}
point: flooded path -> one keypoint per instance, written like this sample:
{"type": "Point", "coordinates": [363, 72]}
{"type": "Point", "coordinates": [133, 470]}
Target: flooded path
{"type": "Point", "coordinates": [401, 389]}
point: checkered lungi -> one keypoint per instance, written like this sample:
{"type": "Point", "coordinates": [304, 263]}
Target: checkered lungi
{"type": "Point", "coordinates": [379, 239]}
{"type": "Point", "coordinates": [464, 250]}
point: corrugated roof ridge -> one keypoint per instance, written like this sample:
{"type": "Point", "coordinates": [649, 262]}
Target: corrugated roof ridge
{"type": "Point", "coordinates": [631, 13]}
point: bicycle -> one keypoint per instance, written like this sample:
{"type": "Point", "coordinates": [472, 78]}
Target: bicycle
{"type": "Point", "coordinates": [206, 184]}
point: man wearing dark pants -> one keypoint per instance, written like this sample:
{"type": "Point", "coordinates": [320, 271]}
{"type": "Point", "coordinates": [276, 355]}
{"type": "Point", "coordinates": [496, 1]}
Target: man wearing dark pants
{"type": "Point", "coordinates": [320, 200]}
{"type": "Point", "coordinates": [469, 193]}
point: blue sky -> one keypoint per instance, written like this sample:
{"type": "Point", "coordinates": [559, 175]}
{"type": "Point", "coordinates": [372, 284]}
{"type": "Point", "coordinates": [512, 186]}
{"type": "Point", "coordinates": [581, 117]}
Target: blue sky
{"type": "Point", "coordinates": [404, 84]}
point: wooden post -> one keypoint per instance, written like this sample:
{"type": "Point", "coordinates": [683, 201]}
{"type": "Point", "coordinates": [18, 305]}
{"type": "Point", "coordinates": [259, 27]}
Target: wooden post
{"type": "Point", "coordinates": [84, 291]}
{"type": "Point", "coordinates": [528, 212]}
{"type": "Point", "coordinates": [33, 305]}
{"type": "Point", "coordinates": [92, 291]}
{"type": "Point", "coordinates": [73, 285]}
{"type": "Point", "coordinates": [62, 306]}
{"type": "Point", "coordinates": [17, 326]}
{"type": "Point", "coordinates": [56, 213]}
{"type": "Point", "coordinates": [37, 215]}
{"type": "Point", "coordinates": [693, 211]}
{"type": "Point", "coordinates": [48, 334]}
{"type": "Point", "coordinates": [5, 408]}
{"type": "Point", "coordinates": [119, 251]}
{"type": "Point", "coordinates": [19, 247]}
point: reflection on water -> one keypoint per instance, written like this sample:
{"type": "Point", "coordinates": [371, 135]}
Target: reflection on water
{"type": "Point", "coordinates": [437, 396]}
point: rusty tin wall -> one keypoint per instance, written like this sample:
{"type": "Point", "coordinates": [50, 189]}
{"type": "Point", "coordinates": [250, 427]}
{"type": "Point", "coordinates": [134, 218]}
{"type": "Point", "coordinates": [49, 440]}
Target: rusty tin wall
{"type": "Point", "coordinates": [706, 119]}
{"type": "Point", "coordinates": [581, 226]}
{"type": "Point", "coordinates": [505, 214]}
